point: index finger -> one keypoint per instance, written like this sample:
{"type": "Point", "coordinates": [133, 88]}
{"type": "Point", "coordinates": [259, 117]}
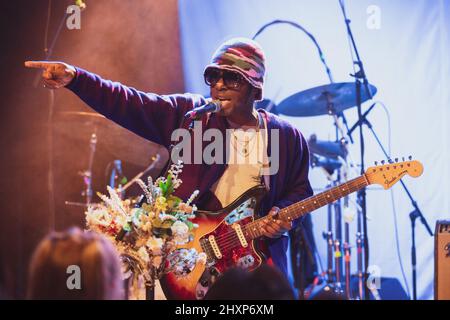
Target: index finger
{"type": "Point", "coordinates": [37, 64]}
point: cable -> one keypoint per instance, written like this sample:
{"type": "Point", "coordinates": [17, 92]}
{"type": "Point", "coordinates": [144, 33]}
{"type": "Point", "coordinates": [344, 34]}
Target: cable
{"type": "Point", "coordinates": [47, 25]}
{"type": "Point", "coordinates": [296, 25]}
{"type": "Point", "coordinates": [51, 104]}
{"type": "Point", "coordinates": [397, 242]}
{"type": "Point", "coordinates": [349, 41]}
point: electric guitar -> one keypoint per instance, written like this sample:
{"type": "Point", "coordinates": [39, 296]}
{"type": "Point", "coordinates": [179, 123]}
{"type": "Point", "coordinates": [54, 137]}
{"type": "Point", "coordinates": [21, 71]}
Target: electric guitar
{"type": "Point", "coordinates": [229, 237]}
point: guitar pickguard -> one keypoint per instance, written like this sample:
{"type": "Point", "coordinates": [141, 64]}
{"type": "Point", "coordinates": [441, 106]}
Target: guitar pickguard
{"type": "Point", "coordinates": [245, 210]}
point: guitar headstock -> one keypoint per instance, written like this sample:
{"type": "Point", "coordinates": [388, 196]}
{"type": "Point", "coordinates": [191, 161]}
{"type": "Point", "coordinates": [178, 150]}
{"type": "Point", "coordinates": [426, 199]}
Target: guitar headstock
{"type": "Point", "coordinates": [389, 174]}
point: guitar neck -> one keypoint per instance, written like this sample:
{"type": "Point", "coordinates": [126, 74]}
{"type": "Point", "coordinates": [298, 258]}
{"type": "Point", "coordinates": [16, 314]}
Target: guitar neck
{"type": "Point", "coordinates": [254, 230]}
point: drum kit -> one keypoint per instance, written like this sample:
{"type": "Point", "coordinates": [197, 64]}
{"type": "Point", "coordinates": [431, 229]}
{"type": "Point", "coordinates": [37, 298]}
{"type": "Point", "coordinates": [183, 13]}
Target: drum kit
{"type": "Point", "coordinates": [125, 147]}
{"type": "Point", "coordinates": [332, 157]}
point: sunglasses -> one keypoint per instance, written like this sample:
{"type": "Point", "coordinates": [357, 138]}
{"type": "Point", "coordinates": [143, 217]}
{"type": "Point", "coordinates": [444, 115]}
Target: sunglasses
{"type": "Point", "coordinates": [230, 79]}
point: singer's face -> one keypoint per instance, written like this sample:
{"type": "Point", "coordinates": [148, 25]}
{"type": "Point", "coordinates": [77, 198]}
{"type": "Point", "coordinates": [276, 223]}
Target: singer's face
{"type": "Point", "coordinates": [234, 100]}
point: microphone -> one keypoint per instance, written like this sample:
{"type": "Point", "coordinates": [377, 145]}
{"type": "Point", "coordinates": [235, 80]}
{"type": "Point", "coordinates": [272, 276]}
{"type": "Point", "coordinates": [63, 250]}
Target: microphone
{"type": "Point", "coordinates": [212, 106]}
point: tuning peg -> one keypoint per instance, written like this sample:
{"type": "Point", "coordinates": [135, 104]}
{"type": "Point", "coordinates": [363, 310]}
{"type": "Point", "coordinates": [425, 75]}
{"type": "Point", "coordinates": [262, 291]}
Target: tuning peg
{"type": "Point", "coordinates": [403, 159]}
{"type": "Point", "coordinates": [410, 158]}
{"type": "Point", "coordinates": [382, 162]}
{"type": "Point", "coordinates": [376, 163]}
{"type": "Point", "coordinates": [396, 159]}
{"type": "Point", "coordinates": [390, 161]}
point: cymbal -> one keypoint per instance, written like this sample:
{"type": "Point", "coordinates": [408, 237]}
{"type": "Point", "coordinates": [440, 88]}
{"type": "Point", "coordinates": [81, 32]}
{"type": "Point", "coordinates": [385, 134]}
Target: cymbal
{"type": "Point", "coordinates": [267, 105]}
{"type": "Point", "coordinates": [327, 99]}
{"type": "Point", "coordinates": [82, 114]}
{"type": "Point", "coordinates": [120, 142]}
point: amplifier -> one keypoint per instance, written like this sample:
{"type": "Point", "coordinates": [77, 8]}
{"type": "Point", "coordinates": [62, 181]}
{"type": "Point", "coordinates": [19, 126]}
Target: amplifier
{"type": "Point", "coordinates": [442, 261]}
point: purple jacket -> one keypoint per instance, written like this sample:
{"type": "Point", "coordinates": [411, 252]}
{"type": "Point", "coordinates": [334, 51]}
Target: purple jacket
{"type": "Point", "coordinates": [155, 117]}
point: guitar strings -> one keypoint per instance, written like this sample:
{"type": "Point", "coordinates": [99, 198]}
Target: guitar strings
{"type": "Point", "coordinates": [228, 239]}
{"type": "Point", "coordinates": [223, 236]}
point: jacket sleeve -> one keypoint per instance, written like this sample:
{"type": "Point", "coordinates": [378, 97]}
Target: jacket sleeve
{"type": "Point", "coordinates": [153, 117]}
{"type": "Point", "coordinates": [297, 186]}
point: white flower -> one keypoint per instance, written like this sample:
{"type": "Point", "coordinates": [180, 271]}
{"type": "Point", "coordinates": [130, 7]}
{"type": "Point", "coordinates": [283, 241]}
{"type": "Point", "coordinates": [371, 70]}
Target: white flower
{"type": "Point", "coordinates": [192, 197]}
{"type": "Point", "coordinates": [180, 232]}
{"type": "Point", "coordinates": [155, 244]}
{"type": "Point", "coordinates": [147, 190]}
{"type": "Point", "coordinates": [121, 220]}
{"type": "Point", "coordinates": [201, 258]}
{"type": "Point", "coordinates": [179, 228]}
{"type": "Point", "coordinates": [181, 238]}
{"type": "Point", "coordinates": [183, 261]}
{"type": "Point", "coordinates": [143, 254]}
{"type": "Point", "coordinates": [164, 217]}
{"type": "Point", "coordinates": [114, 201]}
{"type": "Point", "coordinates": [98, 216]}
{"type": "Point", "coordinates": [174, 171]}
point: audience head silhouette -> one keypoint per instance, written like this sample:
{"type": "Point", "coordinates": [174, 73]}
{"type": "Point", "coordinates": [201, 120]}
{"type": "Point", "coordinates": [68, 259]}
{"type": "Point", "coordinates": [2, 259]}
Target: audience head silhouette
{"type": "Point", "coordinates": [75, 264]}
{"type": "Point", "coordinates": [264, 283]}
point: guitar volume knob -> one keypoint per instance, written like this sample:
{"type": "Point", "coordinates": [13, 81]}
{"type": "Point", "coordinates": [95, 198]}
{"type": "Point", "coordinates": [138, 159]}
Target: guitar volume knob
{"type": "Point", "coordinates": [204, 283]}
{"type": "Point", "coordinates": [214, 272]}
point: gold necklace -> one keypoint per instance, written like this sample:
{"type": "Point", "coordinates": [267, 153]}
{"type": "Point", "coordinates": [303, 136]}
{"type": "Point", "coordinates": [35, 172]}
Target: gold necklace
{"type": "Point", "coordinates": [245, 143]}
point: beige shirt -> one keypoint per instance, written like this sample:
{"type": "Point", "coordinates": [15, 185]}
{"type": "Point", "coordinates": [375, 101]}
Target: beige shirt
{"type": "Point", "coordinates": [247, 149]}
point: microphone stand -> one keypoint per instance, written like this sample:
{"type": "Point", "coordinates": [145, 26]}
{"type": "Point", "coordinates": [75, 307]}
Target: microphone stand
{"type": "Point", "coordinates": [360, 79]}
{"type": "Point", "coordinates": [155, 160]}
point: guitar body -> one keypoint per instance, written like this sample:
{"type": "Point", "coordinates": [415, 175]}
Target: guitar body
{"type": "Point", "coordinates": [220, 226]}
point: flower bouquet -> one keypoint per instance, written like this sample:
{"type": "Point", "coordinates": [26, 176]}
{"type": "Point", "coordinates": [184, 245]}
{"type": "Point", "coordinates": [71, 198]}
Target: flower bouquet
{"type": "Point", "coordinates": [148, 236]}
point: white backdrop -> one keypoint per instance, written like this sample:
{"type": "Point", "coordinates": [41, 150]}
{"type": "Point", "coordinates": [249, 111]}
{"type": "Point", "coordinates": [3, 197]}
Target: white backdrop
{"type": "Point", "coordinates": [405, 47]}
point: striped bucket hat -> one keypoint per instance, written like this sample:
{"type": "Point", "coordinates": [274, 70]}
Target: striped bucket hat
{"type": "Point", "coordinates": [244, 56]}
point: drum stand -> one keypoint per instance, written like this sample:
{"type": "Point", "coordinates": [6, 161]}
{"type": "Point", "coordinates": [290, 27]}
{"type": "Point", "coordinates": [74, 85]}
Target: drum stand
{"type": "Point", "coordinates": [359, 254]}
{"type": "Point", "coordinates": [334, 243]}
{"type": "Point", "coordinates": [338, 247]}
{"type": "Point", "coordinates": [87, 175]}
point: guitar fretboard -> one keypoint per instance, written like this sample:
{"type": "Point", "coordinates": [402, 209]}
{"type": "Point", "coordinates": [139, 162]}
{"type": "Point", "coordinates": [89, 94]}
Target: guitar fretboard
{"type": "Point", "coordinates": [254, 229]}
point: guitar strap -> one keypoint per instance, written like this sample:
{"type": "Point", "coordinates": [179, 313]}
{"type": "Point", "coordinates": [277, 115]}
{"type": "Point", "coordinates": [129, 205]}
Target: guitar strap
{"type": "Point", "coordinates": [265, 179]}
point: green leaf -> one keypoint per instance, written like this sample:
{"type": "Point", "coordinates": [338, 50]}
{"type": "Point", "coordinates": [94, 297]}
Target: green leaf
{"type": "Point", "coordinates": [173, 201]}
{"type": "Point", "coordinates": [124, 180]}
{"type": "Point", "coordinates": [127, 227]}
{"type": "Point", "coordinates": [163, 188]}
{"type": "Point", "coordinates": [190, 224]}
{"type": "Point", "coordinates": [169, 185]}
{"type": "Point", "coordinates": [137, 213]}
